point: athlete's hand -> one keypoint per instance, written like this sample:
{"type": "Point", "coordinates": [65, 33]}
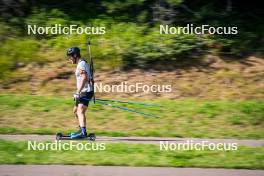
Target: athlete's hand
{"type": "Point", "coordinates": [76, 96]}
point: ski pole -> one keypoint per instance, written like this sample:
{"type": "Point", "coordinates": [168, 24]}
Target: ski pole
{"type": "Point", "coordinates": [129, 102]}
{"type": "Point", "coordinates": [123, 108]}
{"type": "Point", "coordinates": [127, 109]}
{"type": "Point", "coordinates": [91, 66]}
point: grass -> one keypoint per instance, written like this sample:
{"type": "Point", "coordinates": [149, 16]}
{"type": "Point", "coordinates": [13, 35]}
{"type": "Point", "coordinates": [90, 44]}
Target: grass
{"type": "Point", "coordinates": [121, 154]}
{"type": "Point", "coordinates": [25, 114]}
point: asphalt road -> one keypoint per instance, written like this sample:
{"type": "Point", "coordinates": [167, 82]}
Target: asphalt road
{"type": "Point", "coordinates": [61, 170]}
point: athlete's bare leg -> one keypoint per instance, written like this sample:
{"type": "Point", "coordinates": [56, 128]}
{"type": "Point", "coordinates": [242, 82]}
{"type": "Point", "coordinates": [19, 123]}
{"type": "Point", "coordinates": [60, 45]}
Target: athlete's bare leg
{"type": "Point", "coordinates": [81, 109]}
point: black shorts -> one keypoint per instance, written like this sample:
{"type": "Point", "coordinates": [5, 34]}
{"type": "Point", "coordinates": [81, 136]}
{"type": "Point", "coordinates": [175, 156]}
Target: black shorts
{"type": "Point", "coordinates": [84, 99]}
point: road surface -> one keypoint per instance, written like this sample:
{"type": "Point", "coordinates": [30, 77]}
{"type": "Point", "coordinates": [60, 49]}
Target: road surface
{"type": "Point", "coordinates": [60, 170]}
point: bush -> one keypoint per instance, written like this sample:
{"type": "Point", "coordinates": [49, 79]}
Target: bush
{"type": "Point", "coordinates": [14, 51]}
{"type": "Point", "coordinates": [152, 47]}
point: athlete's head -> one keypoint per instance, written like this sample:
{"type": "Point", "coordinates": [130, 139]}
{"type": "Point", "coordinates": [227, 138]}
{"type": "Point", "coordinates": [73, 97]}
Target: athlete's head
{"type": "Point", "coordinates": [73, 54]}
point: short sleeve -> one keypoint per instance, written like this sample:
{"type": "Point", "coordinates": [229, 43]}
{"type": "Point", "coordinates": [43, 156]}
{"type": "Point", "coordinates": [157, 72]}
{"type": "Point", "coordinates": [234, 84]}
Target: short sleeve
{"type": "Point", "coordinates": [82, 66]}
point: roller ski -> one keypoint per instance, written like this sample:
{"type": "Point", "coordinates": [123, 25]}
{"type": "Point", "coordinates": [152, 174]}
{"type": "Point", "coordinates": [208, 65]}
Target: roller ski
{"type": "Point", "coordinates": [76, 136]}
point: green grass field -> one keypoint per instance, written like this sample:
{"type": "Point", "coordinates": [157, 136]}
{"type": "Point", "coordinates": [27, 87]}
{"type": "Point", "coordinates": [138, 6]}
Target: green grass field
{"type": "Point", "coordinates": [121, 154]}
{"type": "Point", "coordinates": [178, 118]}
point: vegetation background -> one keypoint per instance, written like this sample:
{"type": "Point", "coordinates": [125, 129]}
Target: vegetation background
{"type": "Point", "coordinates": [132, 36]}
{"type": "Point", "coordinates": [207, 72]}
{"type": "Point", "coordinates": [217, 80]}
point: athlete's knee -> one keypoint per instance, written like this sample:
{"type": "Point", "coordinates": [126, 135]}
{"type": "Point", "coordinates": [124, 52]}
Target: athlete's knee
{"type": "Point", "coordinates": [80, 110]}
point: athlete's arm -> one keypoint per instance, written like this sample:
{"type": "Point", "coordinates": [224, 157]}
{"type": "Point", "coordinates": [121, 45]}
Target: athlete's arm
{"type": "Point", "coordinates": [84, 79]}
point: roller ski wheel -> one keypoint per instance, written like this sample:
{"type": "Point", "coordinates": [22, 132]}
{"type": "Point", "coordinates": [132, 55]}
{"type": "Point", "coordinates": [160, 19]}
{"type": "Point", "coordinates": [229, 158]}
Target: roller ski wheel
{"type": "Point", "coordinates": [58, 136]}
{"type": "Point", "coordinates": [91, 137]}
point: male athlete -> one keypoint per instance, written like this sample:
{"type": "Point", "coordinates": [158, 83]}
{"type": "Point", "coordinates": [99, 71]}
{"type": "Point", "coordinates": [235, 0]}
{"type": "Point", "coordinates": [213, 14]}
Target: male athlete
{"type": "Point", "coordinates": [84, 91]}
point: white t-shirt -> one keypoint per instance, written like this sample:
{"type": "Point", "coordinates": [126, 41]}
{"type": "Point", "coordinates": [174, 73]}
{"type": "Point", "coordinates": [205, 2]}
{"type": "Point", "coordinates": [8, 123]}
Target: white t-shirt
{"type": "Point", "coordinates": [82, 65]}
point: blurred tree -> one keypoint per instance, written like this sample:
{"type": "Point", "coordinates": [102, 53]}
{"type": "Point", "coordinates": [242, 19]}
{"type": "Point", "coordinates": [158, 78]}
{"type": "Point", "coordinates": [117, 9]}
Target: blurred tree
{"type": "Point", "coordinates": [9, 9]}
